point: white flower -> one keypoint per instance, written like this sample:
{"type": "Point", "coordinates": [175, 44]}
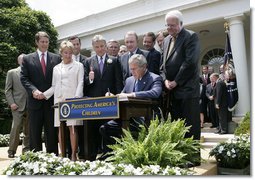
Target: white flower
{"type": "Point", "coordinates": [109, 61]}
{"type": "Point", "coordinates": [221, 148]}
{"type": "Point", "coordinates": [71, 173]}
{"type": "Point", "coordinates": [228, 153]}
{"type": "Point", "coordinates": [138, 171]}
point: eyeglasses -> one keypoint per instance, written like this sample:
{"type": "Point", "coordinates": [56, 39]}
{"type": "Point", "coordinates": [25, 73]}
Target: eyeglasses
{"type": "Point", "coordinates": [170, 25]}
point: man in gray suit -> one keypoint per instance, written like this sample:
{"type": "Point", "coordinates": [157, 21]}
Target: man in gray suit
{"type": "Point", "coordinates": [142, 84]}
{"type": "Point", "coordinates": [131, 41]}
{"type": "Point", "coordinates": [16, 97]}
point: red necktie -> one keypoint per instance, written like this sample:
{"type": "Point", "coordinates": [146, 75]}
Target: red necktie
{"type": "Point", "coordinates": [43, 64]}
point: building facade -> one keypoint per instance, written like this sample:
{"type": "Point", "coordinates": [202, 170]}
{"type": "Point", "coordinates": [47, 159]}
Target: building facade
{"type": "Point", "coordinates": [205, 17]}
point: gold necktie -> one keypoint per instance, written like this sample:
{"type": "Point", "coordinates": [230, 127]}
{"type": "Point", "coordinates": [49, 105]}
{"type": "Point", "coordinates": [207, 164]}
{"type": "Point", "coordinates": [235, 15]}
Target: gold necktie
{"type": "Point", "coordinates": [171, 46]}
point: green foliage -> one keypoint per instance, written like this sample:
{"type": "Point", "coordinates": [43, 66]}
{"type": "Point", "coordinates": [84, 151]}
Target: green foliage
{"type": "Point", "coordinates": [5, 118]}
{"type": "Point", "coordinates": [19, 24]}
{"type": "Point", "coordinates": [18, 27]}
{"type": "Point", "coordinates": [244, 126]}
{"type": "Point", "coordinates": [12, 3]}
{"type": "Point", "coordinates": [162, 144]}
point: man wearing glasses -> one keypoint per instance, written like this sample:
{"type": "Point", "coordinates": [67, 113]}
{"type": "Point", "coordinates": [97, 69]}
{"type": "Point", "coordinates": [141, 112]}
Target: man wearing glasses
{"type": "Point", "coordinates": [180, 72]}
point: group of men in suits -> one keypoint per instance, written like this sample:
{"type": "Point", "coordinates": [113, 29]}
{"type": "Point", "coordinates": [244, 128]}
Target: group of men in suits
{"type": "Point", "coordinates": [178, 74]}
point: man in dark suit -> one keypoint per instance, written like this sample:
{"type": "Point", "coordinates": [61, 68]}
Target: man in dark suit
{"type": "Point", "coordinates": [131, 41]}
{"type": "Point", "coordinates": [180, 72]}
{"type": "Point", "coordinates": [205, 80]}
{"type": "Point", "coordinates": [210, 88]}
{"type": "Point", "coordinates": [142, 84]}
{"type": "Point", "coordinates": [154, 57]}
{"type": "Point", "coordinates": [77, 56]}
{"type": "Point", "coordinates": [221, 104]}
{"type": "Point", "coordinates": [36, 77]}
{"type": "Point", "coordinates": [102, 74]}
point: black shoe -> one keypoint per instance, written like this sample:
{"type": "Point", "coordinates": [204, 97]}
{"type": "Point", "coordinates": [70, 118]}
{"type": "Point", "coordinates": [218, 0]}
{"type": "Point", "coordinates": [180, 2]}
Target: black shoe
{"type": "Point", "coordinates": [223, 132]}
{"type": "Point", "coordinates": [217, 132]}
{"type": "Point", "coordinates": [10, 155]}
{"type": "Point", "coordinates": [81, 156]}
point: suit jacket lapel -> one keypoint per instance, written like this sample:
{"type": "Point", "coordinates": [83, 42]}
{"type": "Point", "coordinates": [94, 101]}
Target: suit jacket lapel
{"type": "Point", "coordinates": [166, 47]}
{"type": "Point", "coordinates": [144, 81]}
{"type": "Point", "coordinates": [49, 64]}
{"type": "Point", "coordinates": [178, 42]}
{"type": "Point", "coordinates": [132, 85]}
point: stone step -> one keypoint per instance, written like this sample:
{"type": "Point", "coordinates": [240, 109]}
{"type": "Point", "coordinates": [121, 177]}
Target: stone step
{"type": "Point", "coordinates": [212, 137]}
{"type": "Point", "coordinates": [208, 145]}
{"type": "Point", "coordinates": [210, 140]}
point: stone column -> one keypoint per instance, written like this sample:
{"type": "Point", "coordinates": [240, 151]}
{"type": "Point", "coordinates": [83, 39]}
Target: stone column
{"type": "Point", "coordinates": [237, 41]}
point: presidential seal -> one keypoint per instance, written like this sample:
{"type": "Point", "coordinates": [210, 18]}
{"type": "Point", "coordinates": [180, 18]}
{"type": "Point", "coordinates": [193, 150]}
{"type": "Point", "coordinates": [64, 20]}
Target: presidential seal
{"type": "Point", "coordinates": [65, 110]}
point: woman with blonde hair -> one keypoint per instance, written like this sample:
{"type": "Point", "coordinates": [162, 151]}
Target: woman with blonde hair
{"type": "Point", "coordinates": [67, 82]}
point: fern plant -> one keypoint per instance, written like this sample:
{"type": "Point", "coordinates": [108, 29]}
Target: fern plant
{"type": "Point", "coordinates": [163, 143]}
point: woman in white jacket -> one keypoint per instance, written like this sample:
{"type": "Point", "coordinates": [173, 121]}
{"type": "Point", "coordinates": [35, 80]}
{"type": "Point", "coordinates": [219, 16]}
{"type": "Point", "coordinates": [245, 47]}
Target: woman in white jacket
{"type": "Point", "coordinates": [67, 82]}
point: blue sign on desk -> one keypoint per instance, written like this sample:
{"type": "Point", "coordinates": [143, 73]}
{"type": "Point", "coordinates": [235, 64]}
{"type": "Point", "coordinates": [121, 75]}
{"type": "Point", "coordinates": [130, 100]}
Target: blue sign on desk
{"type": "Point", "coordinates": [89, 108]}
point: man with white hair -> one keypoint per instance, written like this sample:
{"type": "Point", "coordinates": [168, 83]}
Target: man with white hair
{"type": "Point", "coordinates": [180, 72]}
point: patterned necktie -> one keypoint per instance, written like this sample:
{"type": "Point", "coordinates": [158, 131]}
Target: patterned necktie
{"type": "Point", "coordinates": [137, 85]}
{"type": "Point", "coordinates": [101, 65]}
{"type": "Point", "coordinates": [43, 64]}
{"type": "Point", "coordinates": [171, 46]}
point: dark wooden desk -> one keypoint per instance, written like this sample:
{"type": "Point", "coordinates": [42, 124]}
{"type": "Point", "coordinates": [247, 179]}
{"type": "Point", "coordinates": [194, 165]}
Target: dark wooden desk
{"type": "Point", "coordinates": [129, 107]}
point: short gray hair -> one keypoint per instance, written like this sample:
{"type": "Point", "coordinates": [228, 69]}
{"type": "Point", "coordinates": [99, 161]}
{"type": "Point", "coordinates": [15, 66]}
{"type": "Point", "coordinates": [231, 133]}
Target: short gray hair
{"type": "Point", "coordinates": [138, 59]}
{"type": "Point", "coordinates": [214, 75]}
{"type": "Point", "coordinates": [97, 38]}
{"type": "Point", "coordinates": [175, 13]}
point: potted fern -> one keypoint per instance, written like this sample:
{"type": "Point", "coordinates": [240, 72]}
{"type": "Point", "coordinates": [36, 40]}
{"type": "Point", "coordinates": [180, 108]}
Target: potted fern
{"type": "Point", "coordinates": [163, 143]}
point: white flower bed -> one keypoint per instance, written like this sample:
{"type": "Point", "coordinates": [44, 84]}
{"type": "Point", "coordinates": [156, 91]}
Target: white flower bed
{"type": "Point", "coordinates": [41, 163]}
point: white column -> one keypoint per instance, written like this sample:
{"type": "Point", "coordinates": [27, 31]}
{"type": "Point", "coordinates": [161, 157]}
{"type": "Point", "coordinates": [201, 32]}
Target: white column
{"type": "Point", "coordinates": [237, 41]}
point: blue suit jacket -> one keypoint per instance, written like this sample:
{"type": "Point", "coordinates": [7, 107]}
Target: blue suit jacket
{"type": "Point", "coordinates": [151, 86]}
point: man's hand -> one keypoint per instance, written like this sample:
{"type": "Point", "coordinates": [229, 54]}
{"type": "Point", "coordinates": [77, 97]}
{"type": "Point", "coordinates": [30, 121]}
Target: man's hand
{"type": "Point", "coordinates": [41, 96]}
{"type": "Point", "coordinates": [14, 107]}
{"type": "Point", "coordinates": [124, 95]}
{"type": "Point", "coordinates": [91, 74]}
{"type": "Point", "coordinates": [109, 94]}
{"type": "Point", "coordinates": [170, 84]}
{"type": "Point", "coordinates": [173, 84]}
{"type": "Point", "coordinates": [38, 95]}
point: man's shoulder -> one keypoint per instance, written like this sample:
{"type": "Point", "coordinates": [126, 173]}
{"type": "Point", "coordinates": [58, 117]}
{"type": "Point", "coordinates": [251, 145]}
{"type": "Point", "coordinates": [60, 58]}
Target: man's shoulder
{"type": "Point", "coordinates": [153, 75]}
{"type": "Point", "coordinates": [53, 54]}
{"type": "Point", "coordinates": [10, 71]}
